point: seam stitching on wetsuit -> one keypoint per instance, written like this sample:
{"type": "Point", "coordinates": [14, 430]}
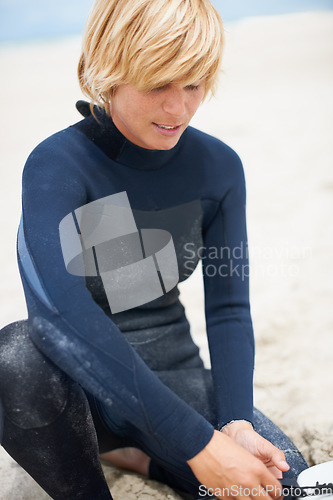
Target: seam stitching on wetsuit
{"type": "Point", "coordinates": [161, 335]}
{"type": "Point", "coordinates": [118, 154]}
{"type": "Point", "coordinates": [216, 200]}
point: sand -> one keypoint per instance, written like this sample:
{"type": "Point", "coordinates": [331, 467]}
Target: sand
{"type": "Point", "coordinates": [275, 107]}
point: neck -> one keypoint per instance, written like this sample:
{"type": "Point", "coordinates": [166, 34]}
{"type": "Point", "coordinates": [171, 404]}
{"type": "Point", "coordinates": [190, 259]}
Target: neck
{"type": "Point", "coordinates": [103, 132]}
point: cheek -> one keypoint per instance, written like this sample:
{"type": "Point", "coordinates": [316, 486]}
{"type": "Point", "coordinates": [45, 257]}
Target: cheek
{"type": "Point", "coordinates": [139, 111]}
{"type": "Point", "coordinates": [195, 102]}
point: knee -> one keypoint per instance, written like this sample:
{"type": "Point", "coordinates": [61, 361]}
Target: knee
{"type": "Point", "coordinates": [32, 389]}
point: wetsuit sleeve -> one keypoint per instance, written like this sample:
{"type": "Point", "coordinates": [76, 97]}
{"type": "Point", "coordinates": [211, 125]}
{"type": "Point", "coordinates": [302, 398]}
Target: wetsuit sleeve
{"type": "Point", "coordinates": [228, 319]}
{"type": "Point", "coordinates": [72, 330]}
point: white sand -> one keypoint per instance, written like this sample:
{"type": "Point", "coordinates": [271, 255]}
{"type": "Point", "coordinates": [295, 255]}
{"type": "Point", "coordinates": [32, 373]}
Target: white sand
{"type": "Point", "coordinates": [275, 108]}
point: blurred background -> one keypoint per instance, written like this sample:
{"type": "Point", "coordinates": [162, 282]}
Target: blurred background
{"type": "Point", "coordinates": [274, 106]}
{"type": "Point", "coordinates": [21, 20]}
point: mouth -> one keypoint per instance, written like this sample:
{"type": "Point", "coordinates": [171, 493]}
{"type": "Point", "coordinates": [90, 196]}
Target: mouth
{"type": "Point", "coordinates": [167, 129]}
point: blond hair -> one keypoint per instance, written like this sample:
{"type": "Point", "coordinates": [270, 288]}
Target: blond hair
{"type": "Point", "coordinates": [149, 43]}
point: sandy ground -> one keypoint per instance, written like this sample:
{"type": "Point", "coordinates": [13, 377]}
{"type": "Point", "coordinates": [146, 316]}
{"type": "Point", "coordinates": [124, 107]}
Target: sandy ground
{"type": "Point", "coordinates": [275, 107]}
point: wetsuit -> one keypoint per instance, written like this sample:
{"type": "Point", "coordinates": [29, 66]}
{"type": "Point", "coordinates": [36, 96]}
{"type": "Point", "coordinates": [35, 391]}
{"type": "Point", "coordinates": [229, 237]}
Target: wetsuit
{"type": "Point", "coordinates": [125, 361]}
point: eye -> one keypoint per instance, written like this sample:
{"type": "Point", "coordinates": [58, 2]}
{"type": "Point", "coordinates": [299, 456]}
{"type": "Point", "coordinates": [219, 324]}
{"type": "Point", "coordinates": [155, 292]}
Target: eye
{"type": "Point", "coordinates": [192, 87]}
{"type": "Point", "coordinates": [159, 89]}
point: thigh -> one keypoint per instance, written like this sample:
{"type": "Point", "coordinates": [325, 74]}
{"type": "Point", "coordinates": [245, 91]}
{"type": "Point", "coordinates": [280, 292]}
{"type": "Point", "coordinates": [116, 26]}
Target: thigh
{"type": "Point", "coordinates": [192, 385]}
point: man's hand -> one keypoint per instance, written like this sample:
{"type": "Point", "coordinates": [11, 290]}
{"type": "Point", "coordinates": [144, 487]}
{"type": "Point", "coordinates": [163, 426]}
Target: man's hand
{"type": "Point", "coordinates": [243, 434]}
{"type": "Point", "coordinates": [227, 468]}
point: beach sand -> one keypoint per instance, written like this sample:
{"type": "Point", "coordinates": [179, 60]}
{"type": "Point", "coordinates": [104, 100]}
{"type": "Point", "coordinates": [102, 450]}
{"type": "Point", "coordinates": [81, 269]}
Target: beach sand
{"type": "Point", "coordinates": [274, 107]}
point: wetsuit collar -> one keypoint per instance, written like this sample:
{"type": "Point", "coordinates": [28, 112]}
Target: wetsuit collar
{"type": "Point", "coordinates": [114, 144]}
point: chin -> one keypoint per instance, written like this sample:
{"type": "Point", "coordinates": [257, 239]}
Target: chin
{"type": "Point", "coordinates": [165, 145]}
{"type": "Point", "coordinates": [165, 148]}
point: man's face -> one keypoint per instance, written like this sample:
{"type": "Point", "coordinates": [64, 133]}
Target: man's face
{"type": "Point", "coordinates": [155, 119]}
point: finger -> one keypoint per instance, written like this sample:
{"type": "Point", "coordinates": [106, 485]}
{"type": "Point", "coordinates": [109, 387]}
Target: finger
{"type": "Point", "coordinates": [276, 456]}
{"type": "Point", "coordinates": [263, 495]}
{"type": "Point", "coordinates": [277, 473]}
{"type": "Point", "coordinates": [274, 491]}
{"type": "Point", "coordinates": [272, 486]}
{"type": "Point", "coordinates": [279, 460]}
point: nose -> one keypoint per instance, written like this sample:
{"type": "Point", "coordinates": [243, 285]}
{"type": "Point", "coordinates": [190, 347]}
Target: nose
{"type": "Point", "coordinates": [175, 101]}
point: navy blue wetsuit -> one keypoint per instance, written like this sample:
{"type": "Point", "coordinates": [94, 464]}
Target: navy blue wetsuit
{"type": "Point", "coordinates": [69, 170]}
{"type": "Point", "coordinates": [127, 360]}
